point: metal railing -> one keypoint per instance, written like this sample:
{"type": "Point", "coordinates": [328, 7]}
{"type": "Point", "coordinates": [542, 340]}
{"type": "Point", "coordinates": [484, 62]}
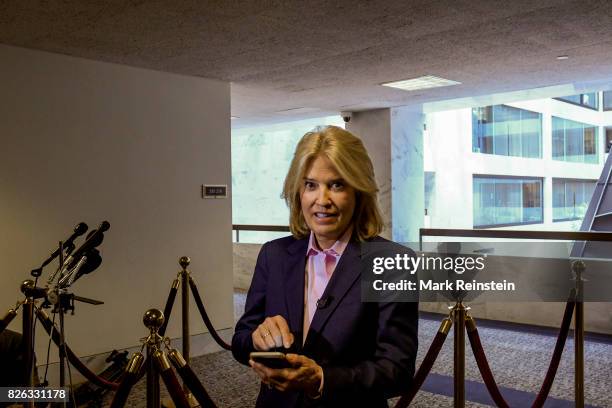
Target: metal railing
{"type": "Point", "coordinates": [252, 227]}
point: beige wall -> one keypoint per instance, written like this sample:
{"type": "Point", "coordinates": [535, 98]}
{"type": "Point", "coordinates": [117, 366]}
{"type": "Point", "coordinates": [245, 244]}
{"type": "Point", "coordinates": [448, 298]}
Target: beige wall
{"type": "Point", "coordinates": [89, 141]}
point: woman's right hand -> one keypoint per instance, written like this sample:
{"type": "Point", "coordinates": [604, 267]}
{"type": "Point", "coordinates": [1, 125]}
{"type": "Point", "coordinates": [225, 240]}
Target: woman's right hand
{"type": "Point", "coordinates": [272, 333]}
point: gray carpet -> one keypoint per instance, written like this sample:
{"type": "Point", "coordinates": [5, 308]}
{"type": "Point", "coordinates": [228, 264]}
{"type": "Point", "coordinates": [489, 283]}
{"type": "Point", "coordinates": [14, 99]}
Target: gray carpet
{"type": "Point", "coordinates": [518, 360]}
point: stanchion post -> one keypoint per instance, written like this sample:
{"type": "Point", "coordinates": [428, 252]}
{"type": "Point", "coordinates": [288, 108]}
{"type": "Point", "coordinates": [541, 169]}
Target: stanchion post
{"type": "Point", "coordinates": [27, 330]}
{"type": "Point", "coordinates": [578, 268]}
{"type": "Point", "coordinates": [459, 313]}
{"type": "Point", "coordinates": [184, 262]}
{"type": "Point", "coordinates": [153, 320]}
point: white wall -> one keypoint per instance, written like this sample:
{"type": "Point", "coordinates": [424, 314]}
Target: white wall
{"type": "Point", "coordinates": [89, 141]}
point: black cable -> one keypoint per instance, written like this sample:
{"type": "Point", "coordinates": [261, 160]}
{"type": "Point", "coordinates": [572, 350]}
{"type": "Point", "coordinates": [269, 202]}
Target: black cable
{"type": "Point", "coordinates": [48, 348]}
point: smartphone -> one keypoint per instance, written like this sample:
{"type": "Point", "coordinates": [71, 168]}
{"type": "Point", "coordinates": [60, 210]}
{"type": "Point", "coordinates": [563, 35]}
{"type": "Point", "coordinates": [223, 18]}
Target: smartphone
{"type": "Point", "coordinates": [272, 359]}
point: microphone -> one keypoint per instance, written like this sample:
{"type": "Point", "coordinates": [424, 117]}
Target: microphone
{"type": "Point", "coordinates": [322, 303]}
{"type": "Point", "coordinates": [87, 264]}
{"type": "Point", "coordinates": [94, 238]}
{"type": "Point", "coordinates": [79, 230]}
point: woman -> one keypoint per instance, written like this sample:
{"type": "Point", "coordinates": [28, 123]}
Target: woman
{"type": "Point", "coordinates": [305, 296]}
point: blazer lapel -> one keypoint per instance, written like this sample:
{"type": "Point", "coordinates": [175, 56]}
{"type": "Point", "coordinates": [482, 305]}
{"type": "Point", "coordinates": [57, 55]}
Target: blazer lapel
{"type": "Point", "coordinates": [294, 266]}
{"type": "Point", "coordinates": [345, 275]}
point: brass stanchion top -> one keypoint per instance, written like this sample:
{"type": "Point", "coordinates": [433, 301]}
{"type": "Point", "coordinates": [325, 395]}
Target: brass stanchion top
{"type": "Point", "coordinates": [153, 319]}
{"type": "Point", "coordinates": [446, 325]}
{"type": "Point", "coordinates": [184, 262]}
{"type": "Point", "coordinates": [135, 363]}
{"type": "Point", "coordinates": [176, 358]}
{"type": "Point", "coordinates": [161, 359]}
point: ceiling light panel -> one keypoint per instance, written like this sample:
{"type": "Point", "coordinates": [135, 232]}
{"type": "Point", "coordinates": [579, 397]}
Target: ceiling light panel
{"type": "Point", "coordinates": [424, 82]}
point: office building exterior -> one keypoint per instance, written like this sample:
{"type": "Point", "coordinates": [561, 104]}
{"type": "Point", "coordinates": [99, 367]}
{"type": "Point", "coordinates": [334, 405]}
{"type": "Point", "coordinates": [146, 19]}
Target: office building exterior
{"type": "Point", "coordinates": [522, 165]}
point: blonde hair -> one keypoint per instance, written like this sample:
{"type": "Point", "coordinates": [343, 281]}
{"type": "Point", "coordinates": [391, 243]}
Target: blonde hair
{"type": "Point", "coordinates": [350, 158]}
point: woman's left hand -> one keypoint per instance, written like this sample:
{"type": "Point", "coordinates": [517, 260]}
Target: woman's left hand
{"type": "Point", "coordinates": [305, 375]}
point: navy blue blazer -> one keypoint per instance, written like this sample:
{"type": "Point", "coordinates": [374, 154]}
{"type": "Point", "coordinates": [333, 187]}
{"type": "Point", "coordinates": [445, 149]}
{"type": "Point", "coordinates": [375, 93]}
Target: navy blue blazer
{"type": "Point", "coordinates": [367, 350]}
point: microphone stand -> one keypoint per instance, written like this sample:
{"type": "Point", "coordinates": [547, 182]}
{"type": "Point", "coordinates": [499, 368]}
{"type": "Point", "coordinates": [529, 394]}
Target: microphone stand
{"type": "Point", "coordinates": [62, 345]}
{"type": "Point", "coordinates": [27, 288]}
{"type": "Point", "coordinates": [62, 302]}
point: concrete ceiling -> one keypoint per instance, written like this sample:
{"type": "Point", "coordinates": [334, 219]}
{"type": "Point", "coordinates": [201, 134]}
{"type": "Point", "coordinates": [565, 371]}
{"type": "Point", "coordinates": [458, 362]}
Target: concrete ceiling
{"type": "Point", "coordinates": [327, 56]}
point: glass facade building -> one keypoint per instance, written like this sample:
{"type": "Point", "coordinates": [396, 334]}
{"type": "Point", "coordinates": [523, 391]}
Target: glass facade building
{"type": "Point", "coordinates": [507, 131]}
{"type": "Point", "coordinates": [588, 100]}
{"type": "Point", "coordinates": [503, 201]}
{"type": "Point", "coordinates": [574, 141]}
{"type": "Point", "coordinates": [571, 198]}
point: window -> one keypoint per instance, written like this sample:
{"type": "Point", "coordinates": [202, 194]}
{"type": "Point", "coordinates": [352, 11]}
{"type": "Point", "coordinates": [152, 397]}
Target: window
{"type": "Point", "coordinates": [430, 188]}
{"type": "Point", "coordinates": [607, 100]}
{"type": "Point", "coordinates": [506, 131]}
{"type": "Point", "coordinates": [571, 198]}
{"type": "Point", "coordinates": [503, 201]}
{"type": "Point", "coordinates": [608, 139]}
{"type": "Point", "coordinates": [588, 100]}
{"type": "Point", "coordinates": [574, 141]}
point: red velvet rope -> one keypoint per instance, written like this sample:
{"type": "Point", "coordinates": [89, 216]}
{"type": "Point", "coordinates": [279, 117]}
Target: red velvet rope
{"type": "Point", "coordinates": [174, 388]}
{"type": "Point", "coordinates": [7, 319]}
{"type": "Point", "coordinates": [193, 383]}
{"type": "Point", "coordinates": [424, 369]}
{"type": "Point", "coordinates": [487, 375]}
{"type": "Point", "coordinates": [207, 321]}
{"type": "Point", "coordinates": [73, 358]}
{"type": "Point", "coordinates": [120, 397]}
{"type": "Point", "coordinates": [485, 370]}
{"type": "Point", "coordinates": [556, 357]}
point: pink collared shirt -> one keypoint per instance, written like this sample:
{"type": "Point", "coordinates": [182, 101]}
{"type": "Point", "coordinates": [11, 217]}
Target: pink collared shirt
{"type": "Point", "coordinates": [320, 266]}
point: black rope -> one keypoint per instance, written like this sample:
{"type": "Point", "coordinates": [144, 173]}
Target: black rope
{"type": "Point", "coordinates": [168, 309]}
{"type": "Point", "coordinates": [207, 322]}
